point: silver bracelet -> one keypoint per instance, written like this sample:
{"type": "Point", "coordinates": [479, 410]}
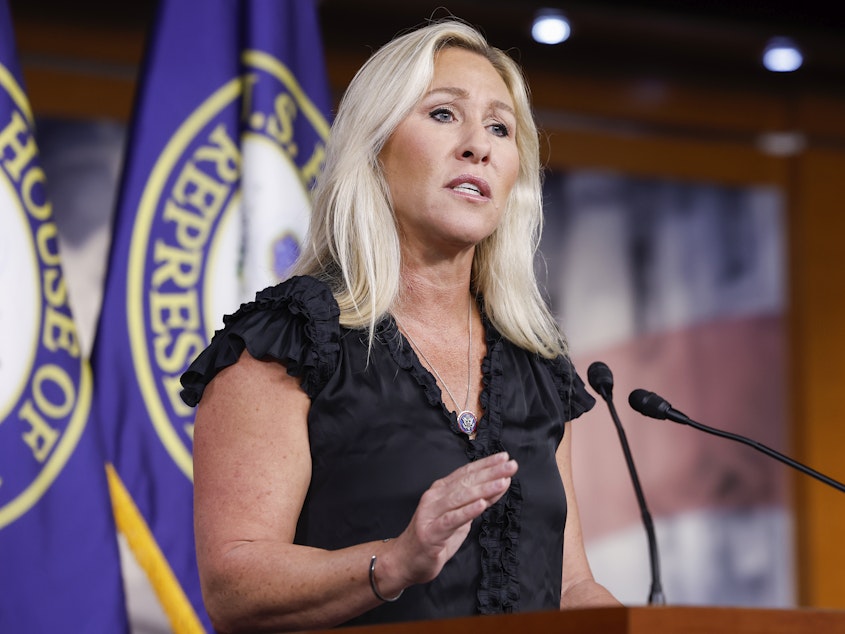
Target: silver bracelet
{"type": "Point", "coordinates": [378, 594]}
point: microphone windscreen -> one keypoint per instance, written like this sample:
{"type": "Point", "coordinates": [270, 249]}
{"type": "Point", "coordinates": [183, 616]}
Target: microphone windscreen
{"type": "Point", "coordinates": [649, 403]}
{"type": "Point", "coordinates": [600, 378]}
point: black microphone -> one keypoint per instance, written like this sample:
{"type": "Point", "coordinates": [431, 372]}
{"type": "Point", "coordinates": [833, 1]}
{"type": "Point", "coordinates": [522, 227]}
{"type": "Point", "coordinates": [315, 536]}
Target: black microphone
{"type": "Point", "coordinates": [655, 406]}
{"type": "Point", "coordinates": [601, 380]}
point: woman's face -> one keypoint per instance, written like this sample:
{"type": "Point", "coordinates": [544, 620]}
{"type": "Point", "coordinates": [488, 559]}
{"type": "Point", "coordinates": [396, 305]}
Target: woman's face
{"type": "Point", "coordinates": [450, 165]}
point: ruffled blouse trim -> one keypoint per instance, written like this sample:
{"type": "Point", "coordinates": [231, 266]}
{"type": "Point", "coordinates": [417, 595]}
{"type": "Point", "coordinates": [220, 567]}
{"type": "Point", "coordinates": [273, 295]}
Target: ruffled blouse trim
{"type": "Point", "coordinates": [501, 524]}
{"type": "Point", "coordinates": [294, 322]}
{"type": "Point", "coordinates": [570, 387]}
{"type": "Point", "coordinates": [406, 358]}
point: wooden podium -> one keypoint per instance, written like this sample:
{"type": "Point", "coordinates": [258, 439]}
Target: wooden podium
{"type": "Point", "coordinates": [623, 620]}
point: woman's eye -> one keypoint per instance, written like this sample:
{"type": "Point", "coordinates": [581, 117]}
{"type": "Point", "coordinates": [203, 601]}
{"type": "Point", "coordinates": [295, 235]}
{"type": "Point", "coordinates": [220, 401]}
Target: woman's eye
{"type": "Point", "coordinates": [500, 129]}
{"type": "Point", "coordinates": [443, 115]}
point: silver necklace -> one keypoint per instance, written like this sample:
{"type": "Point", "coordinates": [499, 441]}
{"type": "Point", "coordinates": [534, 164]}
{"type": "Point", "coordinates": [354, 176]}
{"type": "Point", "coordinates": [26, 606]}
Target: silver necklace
{"type": "Point", "coordinates": [467, 421]}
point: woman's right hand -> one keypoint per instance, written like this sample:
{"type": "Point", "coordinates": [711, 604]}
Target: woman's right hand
{"type": "Point", "coordinates": [442, 521]}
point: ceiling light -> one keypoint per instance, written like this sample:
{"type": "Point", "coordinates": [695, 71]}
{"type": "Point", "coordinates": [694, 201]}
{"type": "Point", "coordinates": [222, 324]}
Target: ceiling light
{"type": "Point", "coordinates": [782, 56]}
{"type": "Point", "coordinates": [550, 27]}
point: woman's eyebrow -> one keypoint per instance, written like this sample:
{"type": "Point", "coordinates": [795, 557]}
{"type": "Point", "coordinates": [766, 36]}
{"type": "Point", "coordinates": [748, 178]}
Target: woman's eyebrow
{"type": "Point", "coordinates": [460, 93]}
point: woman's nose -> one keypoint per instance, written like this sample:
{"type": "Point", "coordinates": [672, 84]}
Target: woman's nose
{"type": "Point", "coordinates": [476, 147]}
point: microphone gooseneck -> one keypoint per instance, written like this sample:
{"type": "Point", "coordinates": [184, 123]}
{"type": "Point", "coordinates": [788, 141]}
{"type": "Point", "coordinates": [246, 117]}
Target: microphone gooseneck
{"type": "Point", "coordinates": [601, 380]}
{"type": "Point", "coordinates": [655, 406]}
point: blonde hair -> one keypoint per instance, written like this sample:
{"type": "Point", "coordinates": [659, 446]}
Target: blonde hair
{"type": "Point", "coordinates": [353, 243]}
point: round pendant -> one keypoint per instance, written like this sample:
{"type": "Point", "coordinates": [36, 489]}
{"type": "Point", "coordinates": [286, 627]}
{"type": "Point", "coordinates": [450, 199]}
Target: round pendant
{"type": "Point", "coordinates": [467, 422]}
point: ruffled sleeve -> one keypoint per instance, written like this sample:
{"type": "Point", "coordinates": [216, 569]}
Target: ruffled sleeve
{"type": "Point", "coordinates": [294, 322]}
{"type": "Point", "coordinates": [570, 387]}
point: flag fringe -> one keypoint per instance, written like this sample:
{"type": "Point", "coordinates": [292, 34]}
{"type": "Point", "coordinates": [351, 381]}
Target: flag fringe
{"type": "Point", "coordinates": [178, 609]}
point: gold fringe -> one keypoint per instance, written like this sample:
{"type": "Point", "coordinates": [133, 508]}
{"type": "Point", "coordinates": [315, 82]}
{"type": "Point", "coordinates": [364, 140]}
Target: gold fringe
{"type": "Point", "coordinates": [183, 619]}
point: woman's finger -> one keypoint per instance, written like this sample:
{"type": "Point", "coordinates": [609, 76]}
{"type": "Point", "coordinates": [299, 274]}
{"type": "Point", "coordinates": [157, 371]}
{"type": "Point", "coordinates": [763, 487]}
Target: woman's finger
{"type": "Point", "coordinates": [466, 485]}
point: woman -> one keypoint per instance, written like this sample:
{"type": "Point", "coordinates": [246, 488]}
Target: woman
{"type": "Point", "coordinates": [384, 436]}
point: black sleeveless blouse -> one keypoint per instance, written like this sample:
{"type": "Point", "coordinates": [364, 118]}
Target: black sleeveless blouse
{"type": "Point", "coordinates": [380, 434]}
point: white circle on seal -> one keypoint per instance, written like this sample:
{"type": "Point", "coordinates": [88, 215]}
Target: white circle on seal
{"type": "Point", "coordinates": [20, 288]}
{"type": "Point", "coordinates": [276, 207]}
{"type": "Point", "coordinates": [273, 205]}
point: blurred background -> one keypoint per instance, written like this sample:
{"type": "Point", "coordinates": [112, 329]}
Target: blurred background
{"type": "Point", "coordinates": [694, 224]}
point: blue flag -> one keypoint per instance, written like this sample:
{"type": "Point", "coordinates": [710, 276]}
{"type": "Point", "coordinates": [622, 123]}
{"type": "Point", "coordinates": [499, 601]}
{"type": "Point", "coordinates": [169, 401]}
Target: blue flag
{"type": "Point", "coordinates": [59, 559]}
{"type": "Point", "coordinates": [227, 138]}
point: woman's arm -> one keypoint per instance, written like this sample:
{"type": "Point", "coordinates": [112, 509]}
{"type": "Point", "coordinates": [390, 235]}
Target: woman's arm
{"type": "Point", "coordinates": [252, 467]}
{"type": "Point", "coordinates": [579, 589]}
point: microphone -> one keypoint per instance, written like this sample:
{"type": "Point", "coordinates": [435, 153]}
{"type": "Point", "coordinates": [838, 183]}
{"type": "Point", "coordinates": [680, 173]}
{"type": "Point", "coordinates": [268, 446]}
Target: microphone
{"type": "Point", "coordinates": [655, 406]}
{"type": "Point", "coordinates": [601, 380]}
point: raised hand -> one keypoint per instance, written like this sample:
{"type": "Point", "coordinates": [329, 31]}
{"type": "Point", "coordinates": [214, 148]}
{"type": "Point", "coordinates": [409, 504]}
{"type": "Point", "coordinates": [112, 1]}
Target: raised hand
{"type": "Point", "coordinates": [444, 514]}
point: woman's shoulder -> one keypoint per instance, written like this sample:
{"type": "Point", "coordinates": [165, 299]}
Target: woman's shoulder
{"type": "Point", "coordinates": [570, 386]}
{"type": "Point", "coordinates": [295, 322]}
{"type": "Point", "coordinates": [304, 291]}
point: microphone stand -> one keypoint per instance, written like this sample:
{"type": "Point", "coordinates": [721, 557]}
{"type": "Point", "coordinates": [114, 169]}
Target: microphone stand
{"type": "Point", "coordinates": [601, 380]}
{"type": "Point", "coordinates": [655, 596]}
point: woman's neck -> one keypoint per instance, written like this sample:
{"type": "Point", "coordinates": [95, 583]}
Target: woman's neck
{"type": "Point", "coordinates": [434, 296]}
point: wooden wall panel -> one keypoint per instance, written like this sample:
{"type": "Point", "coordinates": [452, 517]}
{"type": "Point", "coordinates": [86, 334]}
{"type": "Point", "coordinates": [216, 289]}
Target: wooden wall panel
{"type": "Point", "coordinates": [818, 372]}
{"type": "Point", "coordinates": [724, 161]}
{"type": "Point", "coordinates": [692, 108]}
{"type": "Point", "coordinates": [67, 93]}
{"type": "Point", "coordinates": [79, 71]}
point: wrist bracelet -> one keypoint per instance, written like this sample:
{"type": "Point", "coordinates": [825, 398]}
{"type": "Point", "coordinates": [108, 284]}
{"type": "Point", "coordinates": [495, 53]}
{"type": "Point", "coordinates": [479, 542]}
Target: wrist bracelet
{"type": "Point", "coordinates": [378, 594]}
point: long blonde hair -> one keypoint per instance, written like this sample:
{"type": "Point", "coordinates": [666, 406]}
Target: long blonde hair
{"type": "Point", "coordinates": [353, 243]}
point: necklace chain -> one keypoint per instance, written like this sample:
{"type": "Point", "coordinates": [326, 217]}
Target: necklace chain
{"type": "Point", "coordinates": [466, 419]}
